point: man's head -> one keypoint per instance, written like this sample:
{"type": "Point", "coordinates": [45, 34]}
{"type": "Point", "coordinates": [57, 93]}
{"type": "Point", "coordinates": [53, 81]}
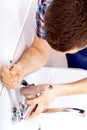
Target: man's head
{"type": "Point", "coordinates": [66, 24]}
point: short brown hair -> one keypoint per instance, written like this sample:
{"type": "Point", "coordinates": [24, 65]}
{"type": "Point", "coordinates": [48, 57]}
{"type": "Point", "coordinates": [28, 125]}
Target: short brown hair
{"type": "Point", "coordinates": [66, 24]}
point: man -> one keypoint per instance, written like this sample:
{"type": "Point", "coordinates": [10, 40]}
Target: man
{"type": "Point", "coordinates": [66, 32]}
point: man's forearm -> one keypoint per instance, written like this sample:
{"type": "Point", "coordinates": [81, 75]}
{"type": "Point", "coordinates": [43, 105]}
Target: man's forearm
{"type": "Point", "coordinates": [78, 87]}
{"type": "Point", "coordinates": [34, 57]}
{"type": "Point", "coordinates": [31, 61]}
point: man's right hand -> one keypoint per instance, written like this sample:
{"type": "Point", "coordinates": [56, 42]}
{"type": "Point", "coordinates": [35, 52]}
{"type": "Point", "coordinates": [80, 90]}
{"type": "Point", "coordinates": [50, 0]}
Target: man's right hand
{"type": "Point", "coordinates": [10, 78]}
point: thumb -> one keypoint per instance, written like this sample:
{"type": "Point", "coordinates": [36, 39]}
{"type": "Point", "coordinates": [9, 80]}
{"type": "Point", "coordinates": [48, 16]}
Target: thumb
{"type": "Point", "coordinates": [14, 70]}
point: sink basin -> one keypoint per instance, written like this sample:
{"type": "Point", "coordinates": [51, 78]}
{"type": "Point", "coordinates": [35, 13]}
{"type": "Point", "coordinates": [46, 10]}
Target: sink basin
{"type": "Point", "coordinates": [61, 120]}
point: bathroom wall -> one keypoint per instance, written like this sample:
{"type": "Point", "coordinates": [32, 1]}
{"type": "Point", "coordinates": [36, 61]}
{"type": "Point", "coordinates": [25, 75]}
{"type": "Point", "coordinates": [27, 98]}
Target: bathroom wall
{"type": "Point", "coordinates": [9, 28]}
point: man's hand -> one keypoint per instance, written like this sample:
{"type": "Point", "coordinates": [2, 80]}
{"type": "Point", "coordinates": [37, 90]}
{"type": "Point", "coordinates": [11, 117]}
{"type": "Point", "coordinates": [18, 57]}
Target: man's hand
{"type": "Point", "coordinates": [42, 101]}
{"type": "Point", "coordinates": [10, 78]}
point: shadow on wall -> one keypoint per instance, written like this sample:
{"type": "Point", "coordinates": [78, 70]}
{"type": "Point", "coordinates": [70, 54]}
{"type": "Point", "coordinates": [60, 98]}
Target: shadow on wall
{"type": "Point", "coordinates": [55, 60]}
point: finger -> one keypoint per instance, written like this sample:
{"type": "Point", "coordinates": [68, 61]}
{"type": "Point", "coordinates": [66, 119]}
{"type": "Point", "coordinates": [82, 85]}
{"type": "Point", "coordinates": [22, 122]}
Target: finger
{"type": "Point", "coordinates": [5, 68]}
{"type": "Point", "coordinates": [5, 74]}
{"type": "Point", "coordinates": [38, 109]}
{"type": "Point", "coordinates": [10, 80]}
{"type": "Point", "coordinates": [33, 101]}
{"type": "Point", "coordinates": [10, 86]}
{"type": "Point", "coordinates": [5, 71]}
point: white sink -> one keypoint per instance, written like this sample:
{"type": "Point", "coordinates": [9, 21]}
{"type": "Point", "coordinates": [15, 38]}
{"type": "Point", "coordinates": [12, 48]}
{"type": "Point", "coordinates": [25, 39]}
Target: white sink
{"type": "Point", "coordinates": [51, 121]}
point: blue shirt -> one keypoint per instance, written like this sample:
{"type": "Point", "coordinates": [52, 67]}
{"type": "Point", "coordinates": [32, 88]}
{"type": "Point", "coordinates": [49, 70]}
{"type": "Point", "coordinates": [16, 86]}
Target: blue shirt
{"type": "Point", "coordinates": [78, 60]}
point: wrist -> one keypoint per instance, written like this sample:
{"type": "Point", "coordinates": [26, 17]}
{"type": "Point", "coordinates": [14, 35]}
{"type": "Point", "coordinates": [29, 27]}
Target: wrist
{"type": "Point", "coordinates": [23, 66]}
{"type": "Point", "coordinates": [62, 89]}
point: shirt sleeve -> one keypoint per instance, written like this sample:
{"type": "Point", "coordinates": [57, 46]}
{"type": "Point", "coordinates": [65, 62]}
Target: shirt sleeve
{"type": "Point", "coordinates": [41, 9]}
